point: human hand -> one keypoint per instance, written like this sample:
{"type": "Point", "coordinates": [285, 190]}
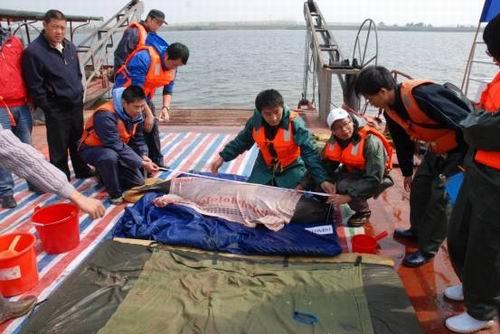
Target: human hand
{"type": "Point", "coordinates": [407, 183]}
{"type": "Point", "coordinates": [149, 121]}
{"type": "Point", "coordinates": [92, 206]}
{"type": "Point", "coordinates": [338, 199]}
{"type": "Point", "coordinates": [328, 187]}
{"type": "Point", "coordinates": [164, 115]}
{"type": "Point", "coordinates": [150, 166]}
{"type": "Point", "coordinates": [214, 166]}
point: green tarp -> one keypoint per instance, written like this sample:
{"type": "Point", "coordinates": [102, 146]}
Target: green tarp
{"type": "Point", "coordinates": [189, 293]}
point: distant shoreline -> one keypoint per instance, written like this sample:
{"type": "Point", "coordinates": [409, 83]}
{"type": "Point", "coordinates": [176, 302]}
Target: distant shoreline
{"type": "Point", "coordinates": [203, 26]}
{"type": "Point", "coordinates": [294, 26]}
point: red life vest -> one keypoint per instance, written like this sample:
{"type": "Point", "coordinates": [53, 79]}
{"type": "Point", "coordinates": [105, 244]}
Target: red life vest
{"type": "Point", "coordinates": [419, 126]}
{"type": "Point", "coordinates": [490, 101]}
{"type": "Point", "coordinates": [156, 76]}
{"type": "Point", "coordinates": [13, 91]}
{"type": "Point", "coordinates": [142, 34]}
{"type": "Point", "coordinates": [352, 156]}
{"type": "Point", "coordinates": [90, 137]}
{"type": "Point", "coordinates": [287, 151]}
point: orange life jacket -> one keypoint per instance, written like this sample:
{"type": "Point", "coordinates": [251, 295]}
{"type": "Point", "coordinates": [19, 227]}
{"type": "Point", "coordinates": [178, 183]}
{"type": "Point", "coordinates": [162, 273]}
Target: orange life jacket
{"type": "Point", "coordinates": [90, 137]}
{"type": "Point", "coordinates": [287, 151]}
{"type": "Point", "coordinates": [156, 76]}
{"type": "Point", "coordinates": [490, 101]}
{"type": "Point", "coordinates": [142, 34]}
{"type": "Point", "coordinates": [419, 126]}
{"type": "Point", "coordinates": [352, 156]}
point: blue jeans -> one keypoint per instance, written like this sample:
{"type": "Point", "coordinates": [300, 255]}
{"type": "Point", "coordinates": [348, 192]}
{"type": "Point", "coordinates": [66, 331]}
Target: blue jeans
{"type": "Point", "coordinates": [22, 130]}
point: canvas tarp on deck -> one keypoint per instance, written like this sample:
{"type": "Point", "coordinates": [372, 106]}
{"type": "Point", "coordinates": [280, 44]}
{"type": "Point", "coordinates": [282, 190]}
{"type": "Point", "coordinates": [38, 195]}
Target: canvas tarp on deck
{"type": "Point", "coordinates": [88, 298]}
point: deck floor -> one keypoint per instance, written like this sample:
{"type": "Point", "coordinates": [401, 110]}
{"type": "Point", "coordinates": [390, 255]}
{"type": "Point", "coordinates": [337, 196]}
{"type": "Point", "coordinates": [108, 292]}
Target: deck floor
{"type": "Point", "coordinates": [424, 285]}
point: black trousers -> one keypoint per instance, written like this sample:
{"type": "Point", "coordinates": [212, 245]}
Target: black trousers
{"type": "Point", "coordinates": [474, 243]}
{"type": "Point", "coordinates": [429, 205]}
{"type": "Point", "coordinates": [115, 175]}
{"type": "Point", "coordinates": [153, 139]}
{"type": "Point", "coordinates": [64, 122]}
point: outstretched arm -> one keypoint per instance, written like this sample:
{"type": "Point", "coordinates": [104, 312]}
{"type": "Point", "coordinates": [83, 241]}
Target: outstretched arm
{"type": "Point", "coordinates": [26, 162]}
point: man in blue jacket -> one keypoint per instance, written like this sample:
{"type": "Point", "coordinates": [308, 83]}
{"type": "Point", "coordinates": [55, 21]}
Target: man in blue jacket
{"type": "Point", "coordinates": [113, 142]}
{"type": "Point", "coordinates": [150, 67]}
{"type": "Point", "coordinates": [135, 36]}
{"type": "Point", "coordinates": [52, 73]}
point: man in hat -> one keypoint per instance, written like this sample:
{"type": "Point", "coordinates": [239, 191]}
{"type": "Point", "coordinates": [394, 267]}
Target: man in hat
{"type": "Point", "coordinates": [358, 158]}
{"type": "Point", "coordinates": [135, 36]}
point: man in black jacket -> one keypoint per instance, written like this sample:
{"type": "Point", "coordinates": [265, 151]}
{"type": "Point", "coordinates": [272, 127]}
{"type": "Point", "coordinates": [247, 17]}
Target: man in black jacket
{"type": "Point", "coordinates": [52, 73]}
{"type": "Point", "coordinates": [425, 111]}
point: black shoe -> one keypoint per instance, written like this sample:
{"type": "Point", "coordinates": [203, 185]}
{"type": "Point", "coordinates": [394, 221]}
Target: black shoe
{"type": "Point", "coordinates": [86, 173]}
{"type": "Point", "coordinates": [8, 202]}
{"type": "Point", "coordinates": [417, 259]}
{"type": "Point", "coordinates": [359, 219]}
{"type": "Point", "coordinates": [408, 234]}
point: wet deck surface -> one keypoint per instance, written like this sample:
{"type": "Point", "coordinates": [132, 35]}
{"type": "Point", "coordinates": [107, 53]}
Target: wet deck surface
{"type": "Point", "coordinates": [424, 285]}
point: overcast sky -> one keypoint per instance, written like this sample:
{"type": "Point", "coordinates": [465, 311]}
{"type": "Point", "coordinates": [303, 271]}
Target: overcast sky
{"type": "Point", "coordinates": [435, 12]}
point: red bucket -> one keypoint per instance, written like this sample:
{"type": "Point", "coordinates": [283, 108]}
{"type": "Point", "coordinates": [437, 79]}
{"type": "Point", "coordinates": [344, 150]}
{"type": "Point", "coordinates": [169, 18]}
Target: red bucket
{"type": "Point", "coordinates": [58, 227]}
{"type": "Point", "coordinates": [363, 243]}
{"type": "Point", "coordinates": [18, 269]}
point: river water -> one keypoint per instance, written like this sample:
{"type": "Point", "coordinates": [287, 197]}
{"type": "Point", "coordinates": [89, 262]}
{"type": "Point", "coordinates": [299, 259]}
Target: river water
{"type": "Point", "coordinates": [228, 68]}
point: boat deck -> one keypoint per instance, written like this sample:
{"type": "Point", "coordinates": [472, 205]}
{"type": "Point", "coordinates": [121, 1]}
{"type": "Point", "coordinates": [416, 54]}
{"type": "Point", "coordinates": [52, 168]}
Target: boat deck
{"type": "Point", "coordinates": [206, 130]}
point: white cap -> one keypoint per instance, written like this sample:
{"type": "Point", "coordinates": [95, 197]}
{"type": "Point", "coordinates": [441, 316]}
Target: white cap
{"type": "Point", "coordinates": [334, 115]}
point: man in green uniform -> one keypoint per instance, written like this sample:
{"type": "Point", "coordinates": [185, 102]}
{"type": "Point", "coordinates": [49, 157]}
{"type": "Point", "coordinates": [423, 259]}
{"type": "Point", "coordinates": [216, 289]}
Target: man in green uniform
{"type": "Point", "coordinates": [358, 158]}
{"type": "Point", "coordinates": [286, 147]}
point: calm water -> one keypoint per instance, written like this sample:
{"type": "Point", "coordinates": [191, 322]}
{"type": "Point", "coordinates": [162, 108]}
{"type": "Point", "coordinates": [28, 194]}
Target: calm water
{"type": "Point", "coordinates": [228, 68]}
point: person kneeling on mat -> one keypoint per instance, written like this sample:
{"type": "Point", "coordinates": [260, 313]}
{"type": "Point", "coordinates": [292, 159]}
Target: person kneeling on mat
{"type": "Point", "coordinates": [358, 158]}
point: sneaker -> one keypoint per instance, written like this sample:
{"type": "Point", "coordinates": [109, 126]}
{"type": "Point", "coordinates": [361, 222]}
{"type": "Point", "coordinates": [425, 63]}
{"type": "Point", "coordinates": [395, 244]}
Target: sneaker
{"type": "Point", "coordinates": [117, 200]}
{"type": "Point", "coordinates": [455, 293]}
{"type": "Point", "coordinates": [8, 202]}
{"type": "Point", "coordinates": [464, 323]}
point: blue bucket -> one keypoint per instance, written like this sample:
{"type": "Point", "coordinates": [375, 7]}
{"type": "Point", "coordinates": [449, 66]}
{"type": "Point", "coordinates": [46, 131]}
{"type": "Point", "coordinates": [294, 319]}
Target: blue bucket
{"type": "Point", "coordinates": [453, 185]}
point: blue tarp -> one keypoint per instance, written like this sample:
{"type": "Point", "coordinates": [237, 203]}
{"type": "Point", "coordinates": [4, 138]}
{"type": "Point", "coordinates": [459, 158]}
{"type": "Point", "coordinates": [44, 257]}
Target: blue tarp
{"type": "Point", "coordinates": [183, 226]}
{"type": "Point", "coordinates": [491, 9]}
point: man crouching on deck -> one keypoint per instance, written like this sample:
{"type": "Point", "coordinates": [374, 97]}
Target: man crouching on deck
{"type": "Point", "coordinates": [113, 142]}
{"type": "Point", "coordinates": [285, 145]}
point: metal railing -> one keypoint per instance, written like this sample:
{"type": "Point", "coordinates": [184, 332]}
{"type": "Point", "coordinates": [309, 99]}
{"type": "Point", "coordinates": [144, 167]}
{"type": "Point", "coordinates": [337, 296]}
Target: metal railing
{"type": "Point", "coordinates": [94, 50]}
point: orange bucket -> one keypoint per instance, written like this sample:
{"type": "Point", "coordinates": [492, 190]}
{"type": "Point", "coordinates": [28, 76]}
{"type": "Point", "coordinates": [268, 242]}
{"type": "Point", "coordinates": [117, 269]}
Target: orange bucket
{"type": "Point", "coordinates": [58, 227]}
{"type": "Point", "coordinates": [18, 268]}
{"type": "Point", "coordinates": [363, 243]}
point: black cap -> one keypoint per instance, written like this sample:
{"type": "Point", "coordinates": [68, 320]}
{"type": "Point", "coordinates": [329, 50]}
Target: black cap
{"type": "Point", "coordinates": [158, 15]}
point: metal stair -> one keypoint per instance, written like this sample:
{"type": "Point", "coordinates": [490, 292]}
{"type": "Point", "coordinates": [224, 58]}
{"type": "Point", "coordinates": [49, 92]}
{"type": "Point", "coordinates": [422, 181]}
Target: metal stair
{"type": "Point", "coordinates": [94, 51]}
